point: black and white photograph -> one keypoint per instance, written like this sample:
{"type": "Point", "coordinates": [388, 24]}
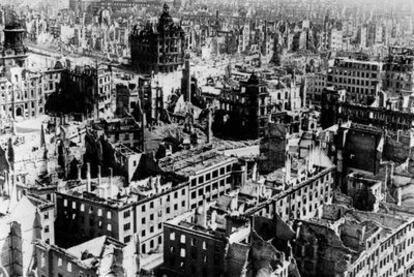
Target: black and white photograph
{"type": "Point", "coordinates": [206, 138]}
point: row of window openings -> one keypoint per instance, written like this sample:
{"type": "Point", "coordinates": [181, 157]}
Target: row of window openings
{"type": "Point", "coordinates": [90, 211]}
{"type": "Point", "coordinates": [208, 176]}
{"type": "Point", "coordinates": [151, 204]}
{"type": "Point", "coordinates": [151, 217]}
{"type": "Point", "coordinates": [213, 196]}
{"type": "Point", "coordinates": [355, 82]}
{"type": "Point", "coordinates": [208, 188]}
{"type": "Point", "coordinates": [193, 241]}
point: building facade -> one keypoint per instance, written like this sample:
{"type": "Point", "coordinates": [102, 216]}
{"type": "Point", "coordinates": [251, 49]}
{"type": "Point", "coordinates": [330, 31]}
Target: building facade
{"type": "Point", "coordinates": [23, 92]}
{"type": "Point", "coordinates": [158, 48]}
{"type": "Point", "coordinates": [361, 79]}
{"type": "Point", "coordinates": [92, 210]}
{"type": "Point", "coordinates": [399, 70]}
{"type": "Point", "coordinates": [209, 173]}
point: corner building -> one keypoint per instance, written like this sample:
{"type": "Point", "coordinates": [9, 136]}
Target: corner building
{"type": "Point", "coordinates": [158, 48]}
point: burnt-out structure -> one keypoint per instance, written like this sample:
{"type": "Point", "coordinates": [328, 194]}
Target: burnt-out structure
{"type": "Point", "coordinates": [14, 52]}
{"type": "Point", "coordinates": [336, 109]}
{"type": "Point", "coordinates": [158, 48]}
{"type": "Point", "coordinates": [243, 112]}
{"type": "Point", "coordinates": [399, 69]}
{"type": "Point", "coordinates": [23, 90]}
{"type": "Point", "coordinates": [89, 89]}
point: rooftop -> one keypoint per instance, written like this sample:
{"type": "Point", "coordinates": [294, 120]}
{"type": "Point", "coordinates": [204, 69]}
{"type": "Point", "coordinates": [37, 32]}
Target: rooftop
{"type": "Point", "coordinates": [189, 162]}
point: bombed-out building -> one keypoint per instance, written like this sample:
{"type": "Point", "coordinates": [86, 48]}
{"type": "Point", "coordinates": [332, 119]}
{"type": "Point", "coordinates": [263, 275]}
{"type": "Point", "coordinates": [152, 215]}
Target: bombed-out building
{"type": "Point", "coordinates": [158, 48]}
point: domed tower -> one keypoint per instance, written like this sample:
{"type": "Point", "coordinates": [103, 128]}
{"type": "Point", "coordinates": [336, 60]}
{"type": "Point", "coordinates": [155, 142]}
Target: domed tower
{"type": "Point", "coordinates": [166, 20]}
{"type": "Point", "coordinates": [14, 51]}
{"type": "Point", "coordinates": [158, 48]}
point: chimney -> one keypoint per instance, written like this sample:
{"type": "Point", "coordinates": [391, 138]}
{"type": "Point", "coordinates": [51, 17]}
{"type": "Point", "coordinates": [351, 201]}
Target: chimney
{"type": "Point", "coordinates": [213, 224]}
{"type": "Point", "coordinates": [254, 171]}
{"type": "Point", "coordinates": [79, 135]}
{"type": "Point", "coordinates": [109, 193]}
{"type": "Point", "coordinates": [202, 216]}
{"type": "Point", "coordinates": [79, 172]}
{"type": "Point", "coordinates": [235, 203]}
{"type": "Point", "coordinates": [42, 137]}
{"type": "Point", "coordinates": [243, 175]}
{"type": "Point", "coordinates": [186, 82]}
{"type": "Point", "coordinates": [306, 167]}
{"type": "Point", "coordinates": [99, 175]}
{"type": "Point", "coordinates": [298, 227]}
{"type": "Point", "coordinates": [88, 177]}
{"type": "Point", "coordinates": [209, 126]}
{"type": "Point", "coordinates": [137, 253]}
{"type": "Point", "coordinates": [7, 183]}
{"type": "Point", "coordinates": [399, 196]}
{"type": "Point", "coordinates": [311, 157]}
{"type": "Point", "coordinates": [288, 168]}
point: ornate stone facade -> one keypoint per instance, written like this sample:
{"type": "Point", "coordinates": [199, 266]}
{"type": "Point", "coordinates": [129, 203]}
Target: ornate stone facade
{"type": "Point", "coordinates": [158, 48]}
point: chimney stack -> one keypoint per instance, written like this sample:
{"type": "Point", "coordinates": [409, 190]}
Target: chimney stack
{"type": "Point", "coordinates": [288, 168]}
{"type": "Point", "coordinates": [110, 182]}
{"type": "Point", "coordinates": [243, 175]}
{"type": "Point", "coordinates": [254, 171]}
{"type": "Point", "coordinates": [204, 217]}
{"type": "Point", "coordinates": [399, 196]}
{"type": "Point", "coordinates": [298, 227]}
{"type": "Point", "coordinates": [79, 172]}
{"type": "Point", "coordinates": [88, 177]}
{"type": "Point", "coordinates": [187, 78]}
{"type": "Point", "coordinates": [99, 175]}
{"type": "Point", "coordinates": [209, 126]}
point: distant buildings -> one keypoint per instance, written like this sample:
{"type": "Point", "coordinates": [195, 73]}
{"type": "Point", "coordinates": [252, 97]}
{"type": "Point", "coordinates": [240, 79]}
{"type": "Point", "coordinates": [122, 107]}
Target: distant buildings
{"type": "Point", "coordinates": [96, 5]}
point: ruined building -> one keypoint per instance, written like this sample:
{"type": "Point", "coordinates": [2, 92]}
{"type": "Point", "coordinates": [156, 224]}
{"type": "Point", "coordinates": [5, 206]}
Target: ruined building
{"type": "Point", "coordinates": [23, 92]}
{"type": "Point", "coordinates": [158, 48]}
{"type": "Point", "coordinates": [361, 79]}
{"type": "Point", "coordinates": [337, 107]}
{"type": "Point", "coordinates": [204, 243]}
{"type": "Point", "coordinates": [350, 243]}
{"type": "Point", "coordinates": [89, 89]}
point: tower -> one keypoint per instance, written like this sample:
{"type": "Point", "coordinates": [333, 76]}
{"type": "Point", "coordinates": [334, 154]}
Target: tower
{"type": "Point", "coordinates": [14, 52]}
